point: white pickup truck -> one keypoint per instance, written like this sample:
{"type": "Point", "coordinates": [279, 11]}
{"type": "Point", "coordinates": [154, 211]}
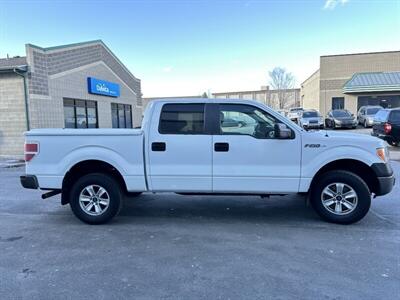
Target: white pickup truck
{"type": "Point", "coordinates": [211, 147]}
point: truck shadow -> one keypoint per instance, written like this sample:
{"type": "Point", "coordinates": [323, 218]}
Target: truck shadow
{"type": "Point", "coordinates": [252, 209]}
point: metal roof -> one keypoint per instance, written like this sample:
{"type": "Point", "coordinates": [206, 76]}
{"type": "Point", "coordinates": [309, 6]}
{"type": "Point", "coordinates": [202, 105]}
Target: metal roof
{"type": "Point", "coordinates": [373, 82]}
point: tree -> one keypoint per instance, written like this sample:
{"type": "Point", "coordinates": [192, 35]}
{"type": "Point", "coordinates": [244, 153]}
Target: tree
{"type": "Point", "coordinates": [205, 95]}
{"type": "Point", "coordinates": [281, 80]}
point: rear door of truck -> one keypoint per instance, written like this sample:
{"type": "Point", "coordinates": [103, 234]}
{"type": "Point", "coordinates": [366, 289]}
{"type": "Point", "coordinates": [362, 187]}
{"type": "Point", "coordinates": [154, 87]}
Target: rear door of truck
{"type": "Point", "coordinates": [179, 149]}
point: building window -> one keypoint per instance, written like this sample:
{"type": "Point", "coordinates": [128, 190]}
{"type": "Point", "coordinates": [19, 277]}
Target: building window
{"type": "Point", "coordinates": [338, 103]}
{"type": "Point", "coordinates": [121, 115]}
{"type": "Point", "coordinates": [182, 119]}
{"type": "Point", "coordinates": [80, 114]}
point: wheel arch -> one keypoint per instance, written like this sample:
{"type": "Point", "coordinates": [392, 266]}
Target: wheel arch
{"type": "Point", "coordinates": [86, 167]}
{"type": "Point", "coordinates": [351, 165]}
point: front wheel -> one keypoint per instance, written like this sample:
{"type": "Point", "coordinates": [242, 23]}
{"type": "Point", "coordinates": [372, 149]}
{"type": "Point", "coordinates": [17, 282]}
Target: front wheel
{"type": "Point", "coordinates": [340, 197]}
{"type": "Point", "coordinates": [95, 198]}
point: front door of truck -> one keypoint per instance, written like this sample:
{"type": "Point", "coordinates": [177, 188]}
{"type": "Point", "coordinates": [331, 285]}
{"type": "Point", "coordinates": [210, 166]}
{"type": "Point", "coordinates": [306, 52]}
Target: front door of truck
{"type": "Point", "coordinates": [248, 158]}
{"type": "Point", "coordinates": [179, 150]}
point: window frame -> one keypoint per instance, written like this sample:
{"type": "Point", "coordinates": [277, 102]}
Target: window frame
{"type": "Point", "coordinates": [205, 131]}
{"type": "Point", "coordinates": [86, 102]}
{"type": "Point", "coordinates": [126, 108]}
{"type": "Point", "coordinates": [341, 99]}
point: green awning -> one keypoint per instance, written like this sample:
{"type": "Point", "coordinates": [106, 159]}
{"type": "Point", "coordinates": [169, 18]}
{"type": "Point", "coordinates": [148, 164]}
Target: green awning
{"type": "Point", "coordinates": [373, 82]}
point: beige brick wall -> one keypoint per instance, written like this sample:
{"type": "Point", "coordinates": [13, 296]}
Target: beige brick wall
{"type": "Point", "coordinates": [344, 66]}
{"type": "Point", "coordinates": [309, 93]}
{"type": "Point", "coordinates": [12, 115]}
{"type": "Point", "coordinates": [48, 111]}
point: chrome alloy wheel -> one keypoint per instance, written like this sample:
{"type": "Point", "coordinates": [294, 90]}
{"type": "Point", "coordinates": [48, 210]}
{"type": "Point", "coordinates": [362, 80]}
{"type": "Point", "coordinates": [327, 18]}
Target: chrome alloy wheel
{"type": "Point", "coordinates": [339, 198]}
{"type": "Point", "coordinates": [94, 200]}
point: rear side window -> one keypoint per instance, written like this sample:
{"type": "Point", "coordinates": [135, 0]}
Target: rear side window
{"type": "Point", "coordinates": [182, 119]}
{"type": "Point", "coordinates": [395, 116]}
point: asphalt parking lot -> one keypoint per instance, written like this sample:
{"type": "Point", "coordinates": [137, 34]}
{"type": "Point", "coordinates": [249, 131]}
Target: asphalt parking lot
{"type": "Point", "coordinates": [180, 247]}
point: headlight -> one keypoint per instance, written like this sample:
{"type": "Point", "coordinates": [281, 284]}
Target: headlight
{"type": "Point", "coordinates": [338, 121]}
{"type": "Point", "coordinates": [383, 153]}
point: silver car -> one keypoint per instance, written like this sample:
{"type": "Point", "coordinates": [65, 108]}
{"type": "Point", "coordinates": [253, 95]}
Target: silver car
{"type": "Point", "coordinates": [311, 119]}
{"type": "Point", "coordinates": [366, 114]}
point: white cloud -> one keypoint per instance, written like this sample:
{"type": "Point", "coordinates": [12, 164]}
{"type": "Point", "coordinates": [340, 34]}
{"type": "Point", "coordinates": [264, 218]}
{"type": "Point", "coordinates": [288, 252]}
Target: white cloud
{"type": "Point", "coordinates": [331, 4]}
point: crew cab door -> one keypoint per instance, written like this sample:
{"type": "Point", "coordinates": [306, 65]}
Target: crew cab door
{"type": "Point", "coordinates": [247, 158]}
{"type": "Point", "coordinates": [179, 150]}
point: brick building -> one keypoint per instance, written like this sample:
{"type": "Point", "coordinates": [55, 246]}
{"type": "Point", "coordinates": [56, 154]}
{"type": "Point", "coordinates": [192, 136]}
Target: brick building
{"type": "Point", "coordinates": [350, 81]}
{"type": "Point", "coordinates": [80, 85]}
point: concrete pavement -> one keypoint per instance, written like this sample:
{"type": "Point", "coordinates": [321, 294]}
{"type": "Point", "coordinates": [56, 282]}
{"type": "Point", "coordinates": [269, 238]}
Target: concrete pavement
{"type": "Point", "coordinates": [181, 247]}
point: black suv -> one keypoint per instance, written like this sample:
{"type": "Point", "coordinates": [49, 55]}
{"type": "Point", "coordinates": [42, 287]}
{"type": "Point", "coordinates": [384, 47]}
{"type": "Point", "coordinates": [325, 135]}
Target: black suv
{"type": "Point", "coordinates": [387, 126]}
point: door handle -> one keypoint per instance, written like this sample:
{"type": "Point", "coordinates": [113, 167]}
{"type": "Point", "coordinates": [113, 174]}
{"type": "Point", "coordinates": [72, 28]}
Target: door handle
{"type": "Point", "coordinates": [158, 146]}
{"type": "Point", "coordinates": [221, 147]}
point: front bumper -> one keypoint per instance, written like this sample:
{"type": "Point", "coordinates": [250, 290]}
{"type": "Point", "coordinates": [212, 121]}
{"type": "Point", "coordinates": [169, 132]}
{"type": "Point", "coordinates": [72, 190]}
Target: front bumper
{"type": "Point", "coordinates": [345, 125]}
{"type": "Point", "coordinates": [29, 182]}
{"type": "Point", "coordinates": [385, 185]}
{"type": "Point", "coordinates": [385, 176]}
{"type": "Point", "coordinates": [313, 126]}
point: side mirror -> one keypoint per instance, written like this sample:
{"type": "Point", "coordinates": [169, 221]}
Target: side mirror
{"type": "Point", "coordinates": [282, 131]}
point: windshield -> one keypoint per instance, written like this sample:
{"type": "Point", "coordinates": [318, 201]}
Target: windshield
{"type": "Point", "coordinates": [310, 114]}
{"type": "Point", "coordinates": [341, 113]}
{"type": "Point", "coordinates": [373, 111]}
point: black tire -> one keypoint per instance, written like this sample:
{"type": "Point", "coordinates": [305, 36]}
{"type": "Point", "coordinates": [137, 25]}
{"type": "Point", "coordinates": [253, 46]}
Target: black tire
{"type": "Point", "coordinates": [114, 196]}
{"type": "Point", "coordinates": [362, 202]}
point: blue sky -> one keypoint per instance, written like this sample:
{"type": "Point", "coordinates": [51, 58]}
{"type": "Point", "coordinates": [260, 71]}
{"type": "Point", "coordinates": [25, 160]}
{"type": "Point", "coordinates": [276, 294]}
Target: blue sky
{"type": "Point", "coordinates": [187, 47]}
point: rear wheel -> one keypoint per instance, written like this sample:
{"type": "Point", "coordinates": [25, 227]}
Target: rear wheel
{"type": "Point", "coordinates": [340, 197]}
{"type": "Point", "coordinates": [95, 198]}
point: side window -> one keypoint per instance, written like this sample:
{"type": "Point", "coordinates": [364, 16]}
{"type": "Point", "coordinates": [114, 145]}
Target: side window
{"type": "Point", "coordinates": [238, 119]}
{"type": "Point", "coordinates": [182, 119]}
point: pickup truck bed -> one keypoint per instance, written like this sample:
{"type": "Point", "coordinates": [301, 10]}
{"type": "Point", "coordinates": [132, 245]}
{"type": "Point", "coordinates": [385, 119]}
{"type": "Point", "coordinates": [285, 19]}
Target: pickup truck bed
{"type": "Point", "coordinates": [60, 149]}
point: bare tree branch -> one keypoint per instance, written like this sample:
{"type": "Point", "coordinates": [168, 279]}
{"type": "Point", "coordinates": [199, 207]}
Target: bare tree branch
{"type": "Point", "coordinates": [281, 80]}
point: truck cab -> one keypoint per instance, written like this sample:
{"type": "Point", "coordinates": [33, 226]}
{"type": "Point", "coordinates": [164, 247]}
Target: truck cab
{"type": "Point", "coordinates": [188, 146]}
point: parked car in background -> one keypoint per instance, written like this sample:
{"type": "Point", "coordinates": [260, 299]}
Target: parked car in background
{"type": "Point", "coordinates": [387, 126]}
{"type": "Point", "coordinates": [230, 123]}
{"type": "Point", "coordinates": [340, 118]}
{"type": "Point", "coordinates": [366, 114]}
{"type": "Point", "coordinates": [311, 119]}
{"type": "Point", "coordinates": [294, 113]}
{"type": "Point", "coordinates": [282, 112]}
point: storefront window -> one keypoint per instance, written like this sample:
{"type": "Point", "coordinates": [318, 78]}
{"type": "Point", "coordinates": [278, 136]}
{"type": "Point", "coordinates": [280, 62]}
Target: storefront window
{"type": "Point", "coordinates": [121, 115]}
{"type": "Point", "coordinates": [80, 114]}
